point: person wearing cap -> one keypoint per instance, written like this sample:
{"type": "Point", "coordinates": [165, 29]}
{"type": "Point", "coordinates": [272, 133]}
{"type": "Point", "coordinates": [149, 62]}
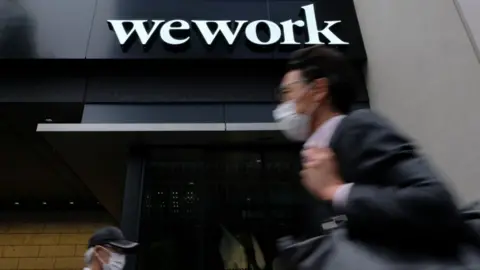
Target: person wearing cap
{"type": "Point", "coordinates": [106, 250]}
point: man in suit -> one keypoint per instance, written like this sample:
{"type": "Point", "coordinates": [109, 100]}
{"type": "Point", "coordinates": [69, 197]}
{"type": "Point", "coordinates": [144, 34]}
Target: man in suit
{"type": "Point", "coordinates": [356, 160]}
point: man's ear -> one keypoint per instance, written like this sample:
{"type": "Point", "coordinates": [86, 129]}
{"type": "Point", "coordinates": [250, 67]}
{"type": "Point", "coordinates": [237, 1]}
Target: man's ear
{"type": "Point", "coordinates": [320, 89]}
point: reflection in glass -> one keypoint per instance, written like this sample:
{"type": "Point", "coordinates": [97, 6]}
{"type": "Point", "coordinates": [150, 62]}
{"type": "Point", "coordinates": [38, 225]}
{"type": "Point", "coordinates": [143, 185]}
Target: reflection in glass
{"type": "Point", "coordinates": [17, 31]}
{"type": "Point", "coordinates": [219, 208]}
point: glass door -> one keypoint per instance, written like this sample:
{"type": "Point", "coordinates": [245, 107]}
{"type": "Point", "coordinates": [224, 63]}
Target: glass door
{"type": "Point", "coordinates": [201, 204]}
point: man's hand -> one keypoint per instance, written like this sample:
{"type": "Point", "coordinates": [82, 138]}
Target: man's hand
{"type": "Point", "coordinates": [320, 173]}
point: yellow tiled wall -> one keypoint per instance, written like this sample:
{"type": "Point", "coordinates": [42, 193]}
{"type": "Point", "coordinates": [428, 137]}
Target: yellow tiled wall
{"type": "Point", "coordinates": [37, 244]}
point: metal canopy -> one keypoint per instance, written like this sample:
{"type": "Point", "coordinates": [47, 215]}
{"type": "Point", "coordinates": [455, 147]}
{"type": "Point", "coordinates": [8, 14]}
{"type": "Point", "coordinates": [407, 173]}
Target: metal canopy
{"type": "Point", "coordinates": [154, 127]}
{"type": "Point", "coordinates": [98, 152]}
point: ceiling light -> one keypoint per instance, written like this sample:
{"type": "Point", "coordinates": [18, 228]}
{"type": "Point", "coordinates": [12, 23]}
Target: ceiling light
{"type": "Point", "coordinates": [71, 203]}
{"type": "Point", "coordinates": [17, 203]}
{"type": "Point", "coordinates": [44, 203]}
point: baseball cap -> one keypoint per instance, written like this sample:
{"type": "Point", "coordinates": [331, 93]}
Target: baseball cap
{"type": "Point", "coordinates": [112, 236]}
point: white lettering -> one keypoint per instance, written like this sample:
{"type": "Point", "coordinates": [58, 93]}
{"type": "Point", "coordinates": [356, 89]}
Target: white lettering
{"type": "Point", "coordinates": [230, 30]}
{"type": "Point", "coordinates": [168, 27]}
{"type": "Point", "coordinates": [251, 32]}
{"type": "Point", "coordinates": [313, 31]}
{"type": "Point", "coordinates": [222, 26]}
{"type": "Point", "coordinates": [138, 27]}
{"type": "Point", "coordinates": [289, 31]}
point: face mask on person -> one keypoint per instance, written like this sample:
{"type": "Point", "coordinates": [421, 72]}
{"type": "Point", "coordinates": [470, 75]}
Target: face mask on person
{"type": "Point", "coordinates": [294, 126]}
{"type": "Point", "coordinates": [116, 262]}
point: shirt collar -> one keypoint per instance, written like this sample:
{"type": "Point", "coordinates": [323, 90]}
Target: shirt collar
{"type": "Point", "coordinates": [321, 137]}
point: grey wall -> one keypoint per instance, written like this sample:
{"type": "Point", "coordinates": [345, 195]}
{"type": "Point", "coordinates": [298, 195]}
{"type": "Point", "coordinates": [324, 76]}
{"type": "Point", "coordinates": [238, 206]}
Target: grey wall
{"type": "Point", "coordinates": [468, 10]}
{"type": "Point", "coordinates": [423, 74]}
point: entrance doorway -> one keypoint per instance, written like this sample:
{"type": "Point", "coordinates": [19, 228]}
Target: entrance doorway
{"type": "Point", "coordinates": [201, 204]}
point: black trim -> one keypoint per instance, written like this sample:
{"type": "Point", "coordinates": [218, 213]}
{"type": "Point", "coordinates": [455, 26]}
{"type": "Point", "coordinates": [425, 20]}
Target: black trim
{"type": "Point", "coordinates": [132, 201]}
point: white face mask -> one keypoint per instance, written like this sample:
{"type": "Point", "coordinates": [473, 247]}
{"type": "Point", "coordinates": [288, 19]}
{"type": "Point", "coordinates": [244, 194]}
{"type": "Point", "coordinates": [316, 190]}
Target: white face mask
{"type": "Point", "coordinates": [116, 262]}
{"type": "Point", "coordinates": [295, 126]}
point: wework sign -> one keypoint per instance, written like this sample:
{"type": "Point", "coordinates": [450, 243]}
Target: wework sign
{"type": "Point", "coordinates": [177, 32]}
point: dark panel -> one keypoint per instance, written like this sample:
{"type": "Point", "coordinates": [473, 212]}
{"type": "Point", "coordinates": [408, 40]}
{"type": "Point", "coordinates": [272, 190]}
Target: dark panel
{"type": "Point", "coordinates": [192, 89]}
{"type": "Point", "coordinates": [349, 29]}
{"type": "Point", "coordinates": [183, 113]}
{"type": "Point", "coordinates": [259, 113]}
{"type": "Point", "coordinates": [288, 10]}
{"type": "Point", "coordinates": [26, 116]}
{"type": "Point", "coordinates": [132, 201]}
{"type": "Point", "coordinates": [104, 43]}
{"type": "Point", "coordinates": [99, 160]}
{"type": "Point", "coordinates": [38, 89]}
{"type": "Point", "coordinates": [249, 113]}
{"type": "Point", "coordinates": [33, 174]}
{"type": "Point", "coordinates": [169, 113]}
{"type": "Point", "coordinates": [187, 81]}
{"type": "Point", "coordinates": [61, 28]}
{"type": "Point", "coordinates": [45, 28]}
{"type": "Point", "coordinates": [326, 10]}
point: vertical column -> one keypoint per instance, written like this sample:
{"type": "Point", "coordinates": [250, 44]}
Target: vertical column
{"type": "Point", "coordinates": [132, 200]}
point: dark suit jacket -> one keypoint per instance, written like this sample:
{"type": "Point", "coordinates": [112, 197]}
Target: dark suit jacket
{"type": "Point", "coordinates": [395, 190]}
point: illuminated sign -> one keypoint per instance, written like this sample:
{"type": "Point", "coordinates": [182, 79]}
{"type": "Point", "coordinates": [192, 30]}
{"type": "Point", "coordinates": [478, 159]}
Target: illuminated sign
{"type": "Point", "coordinates": [177, 32]}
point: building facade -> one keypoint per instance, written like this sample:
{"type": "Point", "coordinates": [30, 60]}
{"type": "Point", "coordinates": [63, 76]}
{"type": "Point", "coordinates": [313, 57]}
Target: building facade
{"type": "Point", "coordinates": [135, 113]}
{"type": "Point", "coordinates": [156, 117]}
{"type": "Point", "coordinates": [423, 75]}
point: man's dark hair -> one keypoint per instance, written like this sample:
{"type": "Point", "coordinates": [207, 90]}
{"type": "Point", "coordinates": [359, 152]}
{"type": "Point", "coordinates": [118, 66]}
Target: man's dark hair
{"type": "Point", "coordinates": [323, 62]}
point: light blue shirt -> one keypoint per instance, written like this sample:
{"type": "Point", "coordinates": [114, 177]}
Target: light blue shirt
{"type": "Point", "coordinates": [321, 138]}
